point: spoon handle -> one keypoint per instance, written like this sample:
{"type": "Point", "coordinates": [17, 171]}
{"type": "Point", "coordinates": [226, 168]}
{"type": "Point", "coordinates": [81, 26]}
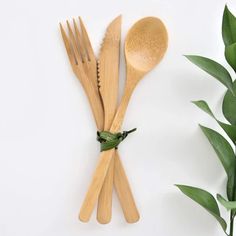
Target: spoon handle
{"type": "Point", "coordinates": [124, 192]}
{"type": "Point", "coordinates": [120, 114]}
{"type": "Point", "coordinates": [116, 174]}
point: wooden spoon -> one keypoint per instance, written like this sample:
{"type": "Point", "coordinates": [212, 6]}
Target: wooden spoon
{"type": "Point", "coordinates": [145, 46]}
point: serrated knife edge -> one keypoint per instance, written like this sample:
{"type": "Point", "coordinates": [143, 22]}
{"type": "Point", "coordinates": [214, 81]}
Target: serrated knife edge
{"type": "Point", "coordinates": [108, 69]}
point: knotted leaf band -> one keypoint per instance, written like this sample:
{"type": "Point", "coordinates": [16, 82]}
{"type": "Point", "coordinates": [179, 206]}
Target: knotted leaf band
{"type": "Point", "coordinates": [110, 140]}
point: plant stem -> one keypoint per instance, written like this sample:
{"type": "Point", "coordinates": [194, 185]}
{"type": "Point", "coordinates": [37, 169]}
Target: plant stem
{"type": "Point", "coordinates": [232, 212]}
{"type": "Point", "coordinates": [231, 233]}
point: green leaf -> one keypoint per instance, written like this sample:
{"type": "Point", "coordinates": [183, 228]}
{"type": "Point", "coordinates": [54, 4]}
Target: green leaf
{"type": "Point", "coordinates": [204, 106]}
{"type": "Point", "coordinates": [230, 55]}
{"type": "Point", "coordinates": [230, 130]}
{"type": "Point", "coordinates": [110, 140]}
{"type": "Point", "coordinates": [225, 154]}
{"type": "Point", "coordinates": [230, 187]}
{"type": "Point", "coordinates": [206, 200]}
{"type": "Point", "coordinates": [229, 106]}
{"type": "Point", "coordinates": [213, 68]}
{"type": "Point", "coordinates": [228, 27]}
{"type": "Point", "coordinates": [229, 205]}
{"type": "Point", "coordinates": [222, 148]}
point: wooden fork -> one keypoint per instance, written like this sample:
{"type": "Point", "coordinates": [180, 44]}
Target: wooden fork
{"type": "Point", "coordinates": [83, 62]}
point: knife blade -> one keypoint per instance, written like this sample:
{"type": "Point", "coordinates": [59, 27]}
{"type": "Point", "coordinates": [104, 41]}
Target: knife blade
{"type": "Point", "coordinates": [108, 70]}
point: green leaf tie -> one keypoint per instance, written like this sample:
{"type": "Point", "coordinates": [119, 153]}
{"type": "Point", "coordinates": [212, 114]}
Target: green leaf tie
{"type": "Point", "coordinates": [110, 140]}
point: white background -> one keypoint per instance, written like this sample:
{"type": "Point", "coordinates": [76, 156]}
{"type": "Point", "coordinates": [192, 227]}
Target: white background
{"type": "Point", "coordinates": [48, 149]}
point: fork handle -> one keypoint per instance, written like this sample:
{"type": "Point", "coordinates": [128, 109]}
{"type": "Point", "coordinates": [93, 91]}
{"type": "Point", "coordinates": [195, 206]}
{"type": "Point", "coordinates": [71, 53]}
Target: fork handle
{"type": "Point", "coordinates": [96, 185]}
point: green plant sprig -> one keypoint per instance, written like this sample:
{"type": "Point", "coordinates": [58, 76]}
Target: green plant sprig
{"type": "Point", "coordinates": [224, 149]}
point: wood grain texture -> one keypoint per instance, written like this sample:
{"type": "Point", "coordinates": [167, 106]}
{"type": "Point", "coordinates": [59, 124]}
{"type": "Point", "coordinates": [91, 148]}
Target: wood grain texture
{"type": "Point", "coordinates": [124, 192]}
{"type": "Point", "coordinates": [137, 67]}
{"type": "Point", "coordinates": [83, 63]}
{"type": "Point", "coordinates": [108, 70]}
{"type": "Point", "coordinates": [96, 185]}
{"type": "Point", "coordinates": [104, 209]}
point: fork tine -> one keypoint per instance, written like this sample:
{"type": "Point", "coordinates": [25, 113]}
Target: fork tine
{"type": "Point", "coordinates": [88, 46]}
{"type": "Point", "coordinates": [79, 41]}
{"type": "Point", "coordinates": [68, 47]}
{"type": "Point", "coordinates": [73, 42]}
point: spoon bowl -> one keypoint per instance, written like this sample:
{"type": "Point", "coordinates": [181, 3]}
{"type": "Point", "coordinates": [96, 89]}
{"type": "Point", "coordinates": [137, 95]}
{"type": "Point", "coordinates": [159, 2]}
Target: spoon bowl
{"type": "Point", "coordinates": [146, 44]}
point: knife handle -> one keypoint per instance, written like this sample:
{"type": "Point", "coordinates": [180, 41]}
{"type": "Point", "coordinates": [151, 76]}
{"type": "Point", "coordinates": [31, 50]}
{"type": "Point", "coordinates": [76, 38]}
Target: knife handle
{"type": "Point", "coordinates": [96, 185]}
{"type": "Point", "coordinates": [124, 192]}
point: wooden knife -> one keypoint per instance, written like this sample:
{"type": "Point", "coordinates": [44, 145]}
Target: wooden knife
{"type": "Point", "coordinates": [108, 83]}
{"type": "Point", "coordinates": [108, 76]}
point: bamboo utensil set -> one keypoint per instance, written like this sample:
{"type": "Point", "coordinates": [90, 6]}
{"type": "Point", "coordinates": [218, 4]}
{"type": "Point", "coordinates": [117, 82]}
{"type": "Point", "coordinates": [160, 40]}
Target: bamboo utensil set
{"type": "Point", "coordinates": [145, 45]}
